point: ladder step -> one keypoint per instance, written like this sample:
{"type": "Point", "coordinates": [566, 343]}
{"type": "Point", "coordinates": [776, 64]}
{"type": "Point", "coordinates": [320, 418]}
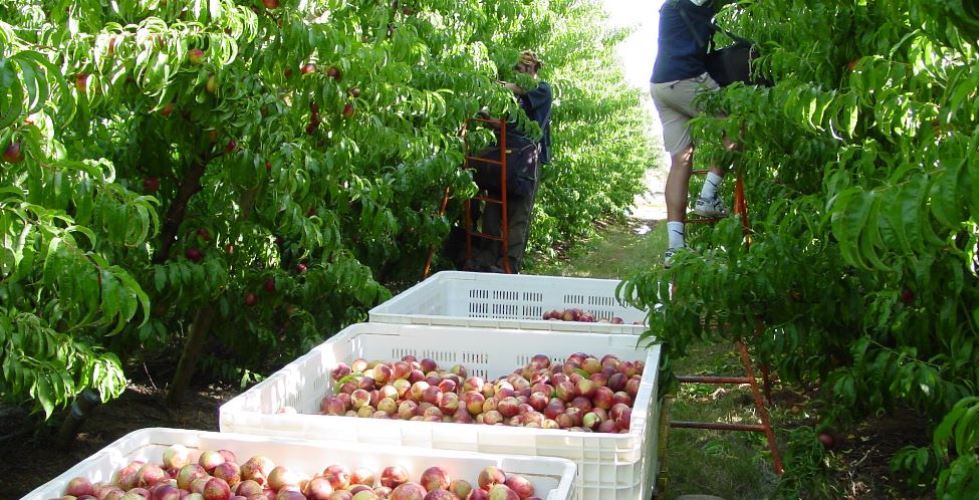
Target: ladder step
{"type": "Point", "coordinates": [704, 220]}
{"type": "Point", "coordinates": [484, 160]}
{"type": "Point", "coordinates": [712, 379]}
{"type": "Point", "coordinates": [484, 235]}
{"type": "Point", "coordinates": [716, 426]}
{"type": "Point", "coordinates": [700, 172]}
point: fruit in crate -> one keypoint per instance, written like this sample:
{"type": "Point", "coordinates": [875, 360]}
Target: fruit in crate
{"type": "Point", "coordinates": [260, 478]}
{"type": "Point", "coordinates": [548, 394]}
{"type": "Point", "coordinates": [574, 314]}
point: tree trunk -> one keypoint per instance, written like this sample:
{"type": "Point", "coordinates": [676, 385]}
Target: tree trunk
{"type": "Point", "coordinates": [191, 355]}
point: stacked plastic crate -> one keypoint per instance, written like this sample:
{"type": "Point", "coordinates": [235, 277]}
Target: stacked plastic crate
{"type": "Point", "coordinates": [491, 324]}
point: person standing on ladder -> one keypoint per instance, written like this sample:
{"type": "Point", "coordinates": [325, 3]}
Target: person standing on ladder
{"type": "Point", "coordinates": [679, 76]}
{"type": "Point", "coordinates": [524, 157]}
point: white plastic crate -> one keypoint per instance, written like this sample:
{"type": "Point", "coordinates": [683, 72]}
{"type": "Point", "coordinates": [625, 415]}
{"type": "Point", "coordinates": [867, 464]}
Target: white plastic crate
{"type": "Point", "coordinates": [610, 466]}
{"type": "Point", "coordinates": [488, 300]}
{"type": "Point", "coordinates": [552, 479]}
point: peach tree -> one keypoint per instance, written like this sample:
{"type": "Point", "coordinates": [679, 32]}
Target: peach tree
{"type": "Point", "coordinates": [861, 177]}
{"type": "Point", "coordinates": [223, 184]}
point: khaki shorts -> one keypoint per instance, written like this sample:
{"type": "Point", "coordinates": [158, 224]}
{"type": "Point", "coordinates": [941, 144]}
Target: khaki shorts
{"type": "Point", "coordinates": [675, 105]}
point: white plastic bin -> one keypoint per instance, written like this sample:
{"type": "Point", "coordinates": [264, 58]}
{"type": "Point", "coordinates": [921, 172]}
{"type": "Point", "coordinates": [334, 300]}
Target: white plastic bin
{"type": "Point", "coordinates": [488, 300]}
{"type": "Point", "coordinates": [552, 478]}
{"type": "Point", "coordinates": [610, 466]}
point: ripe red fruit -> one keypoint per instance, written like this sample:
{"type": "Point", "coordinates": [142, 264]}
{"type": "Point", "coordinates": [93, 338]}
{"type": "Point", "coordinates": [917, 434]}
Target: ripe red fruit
{"type": "Point", "coordinates": [271, 4]}
{"type": "Point", "coordinates": [216, 489]}
{"type": "Point", "coordinates": [81, 82]}
{"type": "Point", "coordinates": [204, 234]}
{"type": "Point", "coordinates": [490, 476]}
{"type": "Point", "coordinates": [268, 166]}
{"type": "Point", "coordinates": [827, 440]}
{"type": "Point", "coordinates": [852, 64]}
{"type": "Point", "coordinates": [348, 110]}
{"type": "Point", "coordinates": [196, 56]}
{"type": "Point", "coordinates": [281, 477]}
{"type": "Point", "coordinates": [194, 255]}
{"type": "Point", "coordinates": [319, 488]}
{"type": "Point", "coordinates": [394, 476]}
{"type": "Point", "coordinates": [907, 296]}
{"type": "Point", "coordinates": [270, 285]}
{"type": "Point", "coordinates": [435, 478]}
{"type": "Point", "coordinates": [520, 485]}
{"type": "Point", "coordinates": [250, 299]}
{"type": "Point", "coordinates": [354, 92]}
{"type": "Point", "coordinates": [307, 68]}
{"type": "Point", "coordinates": [231, 146]}
{"type": "Point", "coordinates": [167, 110]}
{"type": "Point", "coordinates": [334, 73]}
{"type": "Point", "coordinates": [210, 459]}
{"type": "Point", "coordinates": [151, 184]}
{"type": "Point", "coordinates": [79, 486]}
{"type": "Point", "coordinates": [301, 268]}
{"type": "Point", "coordinates": [338, 476]}
{"type": "Point", "coordinates": [230, 249]}
{"type": "Point", "coordinates": [13, 154]}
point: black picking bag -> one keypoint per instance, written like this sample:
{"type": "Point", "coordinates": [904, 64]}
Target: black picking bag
{"type": "Point", "coordinates": [729, 64]}
{"type": "Point", "coordinates": [733, 63]}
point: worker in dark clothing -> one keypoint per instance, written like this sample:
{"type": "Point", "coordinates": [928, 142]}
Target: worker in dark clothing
{"type": "Point", "coordinates": [524, 157]}
{"type": "Point", "coordinates": [679, 76]}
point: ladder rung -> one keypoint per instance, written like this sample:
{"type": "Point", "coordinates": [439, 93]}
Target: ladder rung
{"type": "Point", "coordinates": [712, 379]}
{"type": "Point", "coordinates": [484, 235]}
{"type": "Point", "coordinates": [717, 426]}
{"type": "Point", "coordinates": [704, 220]}
{"type": "Point", "coordinates": [700, 172]}
{"type": "Point", "coordinates": [484, 160]}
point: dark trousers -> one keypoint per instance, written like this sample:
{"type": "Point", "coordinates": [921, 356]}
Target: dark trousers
{"type": "Point", "coordinates": [520, 208]}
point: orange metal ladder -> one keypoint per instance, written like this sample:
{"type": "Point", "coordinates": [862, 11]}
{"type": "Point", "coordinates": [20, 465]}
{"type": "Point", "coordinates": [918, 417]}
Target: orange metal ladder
{"type": "Point", "coordinates": [765, 426]}
{"type": "Point", "coordinates": [504, 237]}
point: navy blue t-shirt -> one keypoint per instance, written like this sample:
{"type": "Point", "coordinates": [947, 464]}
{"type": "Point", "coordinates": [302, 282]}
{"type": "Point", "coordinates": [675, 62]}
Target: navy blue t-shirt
{"type": "Point", "coordinates": [682, 52]}
{"type": "Point", "coordinates": [537, 104]}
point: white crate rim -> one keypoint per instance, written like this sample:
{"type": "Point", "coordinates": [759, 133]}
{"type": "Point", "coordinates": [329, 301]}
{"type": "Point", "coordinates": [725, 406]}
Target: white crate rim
{"type": "Point", "coordinates": [525, 465]}
{"type": "Point", "coordinates": [399, 308]}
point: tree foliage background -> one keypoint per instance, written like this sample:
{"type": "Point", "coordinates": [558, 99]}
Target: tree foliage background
{"type": "Point", "coordinates": [860, 166]}
{"type": "Point", "coordinates": [221, 185]}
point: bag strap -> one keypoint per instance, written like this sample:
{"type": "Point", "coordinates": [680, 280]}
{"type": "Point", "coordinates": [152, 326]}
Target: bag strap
{"type": "Point", "coordinates": [732, 36]}
{"type": "Point", "coordinates": [689, 23]}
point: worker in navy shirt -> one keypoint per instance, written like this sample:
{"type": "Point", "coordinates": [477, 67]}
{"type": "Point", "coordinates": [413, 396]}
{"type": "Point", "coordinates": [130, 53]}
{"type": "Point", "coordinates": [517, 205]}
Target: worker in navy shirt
{"type": "Point", "coordinates": [525, 154]}
{"type": "Point", "coordinates": [679, 76]}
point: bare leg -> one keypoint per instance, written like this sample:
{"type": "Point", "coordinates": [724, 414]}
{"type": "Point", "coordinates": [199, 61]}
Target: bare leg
{"type": "Point", "coordinates": [678, 185]}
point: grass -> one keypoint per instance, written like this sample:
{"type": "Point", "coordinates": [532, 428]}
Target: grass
{"type": "Point", "coordinates": [732, 465]}
{"type": "Point", "coordinates": [622, 248]}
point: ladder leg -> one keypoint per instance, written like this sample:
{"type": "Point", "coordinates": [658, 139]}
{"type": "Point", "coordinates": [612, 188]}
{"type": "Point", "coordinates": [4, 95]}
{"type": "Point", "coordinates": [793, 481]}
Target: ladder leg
{"type": "Point", "coordinates": [505, 206]}
{"type": "Point", "coordinates": [760, 407]}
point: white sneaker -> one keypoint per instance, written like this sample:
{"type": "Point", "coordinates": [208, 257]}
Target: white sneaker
{"type": "Point", "coordinates": [710, 207]}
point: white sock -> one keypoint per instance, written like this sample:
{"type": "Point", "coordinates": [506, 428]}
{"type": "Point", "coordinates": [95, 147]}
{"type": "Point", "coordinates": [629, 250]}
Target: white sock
{"type": "Point", "coordinates": [674, 234]}
{"type": "Point", "coordinates": [710, 186]}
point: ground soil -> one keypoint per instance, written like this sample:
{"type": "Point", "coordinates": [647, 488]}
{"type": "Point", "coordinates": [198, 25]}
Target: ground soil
{"type": "Point", "coordinates": [35, 458]}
